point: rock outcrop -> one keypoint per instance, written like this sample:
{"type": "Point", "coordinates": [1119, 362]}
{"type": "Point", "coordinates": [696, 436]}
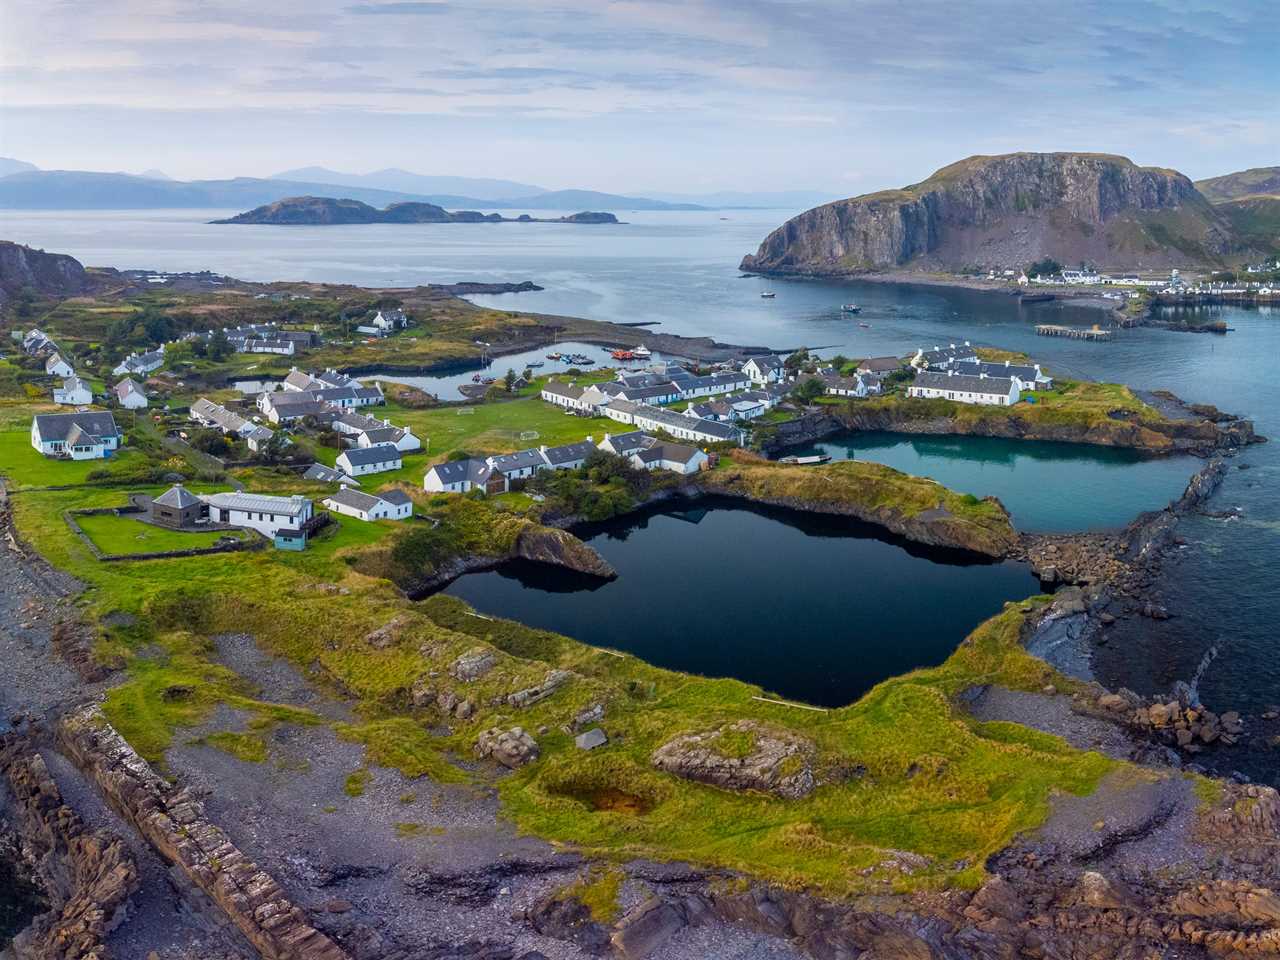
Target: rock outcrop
{"type": "Point", "coordinates": [1008, 210]}
{"type": "Point", "coordinates": [562, 549]}
{"type": "Point", "coordinates": [174, 823]}
{"type": "Point", "coordinates": [742, 756]}
{"type": "Point", "coordinates": [51, 274]}
{"type": "Point", "coordinates": [512, 748]}
{"type": "Point", "coordinates": [88, 876]}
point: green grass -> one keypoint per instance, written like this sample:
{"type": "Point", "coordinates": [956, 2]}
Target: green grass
{"type": "Point", "coordinates": [27, 467]}
{"type": "Point", "coordinates": [249, 747]}
{"type": "Point", "coordinates": [125, 534]}
{"type": "Point", "coordinates": [356, 782]}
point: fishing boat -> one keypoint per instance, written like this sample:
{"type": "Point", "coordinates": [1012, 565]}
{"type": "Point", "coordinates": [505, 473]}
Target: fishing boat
{"type": "Point", "coordinates": [864, 324]}
{"type": "Point", "coordinates": [623, 354]}
{"type": "Point", "coordinates": [553, 356]}
{"type": "Point", "coordinates": [767, 294]}
{"type": "Point", "coordinates": [642, 351]}
{"type": "Point", "coordinates": [805, 461]}
{"type": "Point", "coordinates": [534, 364]}
{"type": "Point", "coordinates": [850, 308]}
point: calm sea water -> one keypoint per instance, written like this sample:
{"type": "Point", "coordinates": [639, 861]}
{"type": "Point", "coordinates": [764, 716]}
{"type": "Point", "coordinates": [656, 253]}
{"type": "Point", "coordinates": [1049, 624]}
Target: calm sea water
{"type": "Point", "coordinates": [1046, 487]}
{"type": "Point", "coordinates": [809, 608]}
{"type": "Point", "coordinates": [681, 269]}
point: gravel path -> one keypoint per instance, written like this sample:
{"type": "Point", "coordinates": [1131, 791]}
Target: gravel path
{"type": "Point", "coordinates": [1051, 713]}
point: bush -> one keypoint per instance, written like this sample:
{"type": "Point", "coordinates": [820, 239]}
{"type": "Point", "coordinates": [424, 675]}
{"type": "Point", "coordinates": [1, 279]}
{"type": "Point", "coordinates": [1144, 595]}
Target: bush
{"type": "Point", "coordinates": [182, 609]}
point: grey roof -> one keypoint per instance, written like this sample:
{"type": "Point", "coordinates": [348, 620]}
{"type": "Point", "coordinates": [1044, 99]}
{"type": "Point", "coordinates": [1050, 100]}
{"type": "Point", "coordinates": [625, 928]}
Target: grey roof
{"type": "Point", "coordinates": [1025, 372]}
{"type": "Point", "coordinates": [627, 443]}
{"type": "Point", "coordinates": [127, 386]}
{"type": "Point", "coordinates": [880, 364]}
{"type": "Point", "coordinates": [74, 383]}
{"type": "Point", "coordinates": [623, 406]}
{"type": "Point", "coordinates": [568, 452]}
{"type": "Point", "coordinates": [455, 471]}
{"type": "Point", "coordinates": [571, 390]}
{"type": "Point", "coordinates": [318, 471]}
{"type": "Point", "coordinates": [58, 426]}
{"type": "Point", "coordinates": [669, 418]}
{"type": "Point", "coordinates": [258, 503]}
{"type": "Point", "coordinates": [765, 362]}
{"type": "Point", "coordinates": [300, 380]}
{"type": "Point", "coordinates": [359, 421]}
{"type": "Point", "coordinates": [962, 382]}
{"type": "Point", "coordinates": [396, 497]}
{"type": "Point", "coordinates": [676, 452]}
{"type": "Point", "coordinates": [291, 398]}
{"type": "Point", "coordinates": [378, 453]}
{"type": "Point", "coordinates": [645, 380]}
{"type": "Point", "coordinates": [962, 352]}
{"type": "Point", "coordinates": [354, 499]}
{"type": "Point", "coordinates": [178, 497]}
{"type": "Point", "coordinates": [293, 411]}
{"type": "Point", "coordinates": [520, 460]}
{"type": "Point", "coordinates": [640, 394]}
{"type": "Point", "coordinates": [384, 435]}
{"type": "Point", "coordinates": [226, 419]}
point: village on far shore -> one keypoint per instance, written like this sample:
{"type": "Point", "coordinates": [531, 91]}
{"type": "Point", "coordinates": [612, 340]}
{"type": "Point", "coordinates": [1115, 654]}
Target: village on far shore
{"type": "Point", "coordinates": [671, 416]}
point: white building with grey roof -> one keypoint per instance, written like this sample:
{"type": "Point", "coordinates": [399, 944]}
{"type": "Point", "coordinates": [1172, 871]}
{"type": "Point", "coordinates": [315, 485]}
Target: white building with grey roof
{"type": "Point", "coordinates": [386, 505]}
{"type": "Point", "coordinates": [980, 389]}
{"type": "Point", "coordinates": [85, 435]}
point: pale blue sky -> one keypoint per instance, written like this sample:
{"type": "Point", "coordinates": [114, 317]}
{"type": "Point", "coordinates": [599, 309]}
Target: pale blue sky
{"type": "Point", "coordinates": [641, 94]}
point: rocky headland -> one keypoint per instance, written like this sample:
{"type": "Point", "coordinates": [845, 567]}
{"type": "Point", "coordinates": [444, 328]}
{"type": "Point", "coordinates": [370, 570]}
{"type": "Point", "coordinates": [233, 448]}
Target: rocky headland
{"type": "Point", "coordinates": [1012, 209]}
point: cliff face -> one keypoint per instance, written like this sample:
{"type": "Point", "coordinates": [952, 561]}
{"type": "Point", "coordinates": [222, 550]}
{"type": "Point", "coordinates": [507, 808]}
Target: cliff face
{"type": "Point", "coordinates": [1008, 210]}
{"type": "Point", "coordinates": [52, 274]}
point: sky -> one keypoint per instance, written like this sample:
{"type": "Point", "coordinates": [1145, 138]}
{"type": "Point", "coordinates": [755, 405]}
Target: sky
{"type": "Point", "coordinates": [635, 95]}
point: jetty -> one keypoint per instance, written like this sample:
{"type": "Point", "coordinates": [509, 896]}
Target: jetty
{"type": "Point", "coordinates": [1076, 333]}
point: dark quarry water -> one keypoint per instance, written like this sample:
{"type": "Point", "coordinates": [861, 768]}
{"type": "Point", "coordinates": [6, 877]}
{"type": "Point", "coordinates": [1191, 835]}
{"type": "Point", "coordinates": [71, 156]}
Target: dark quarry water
{"type": "Point", "coordinates": [20, 903]}
{"type": "Point", "coordinates": [811, 608]}
{"type": "Point", "coordinates": [1046, 487]}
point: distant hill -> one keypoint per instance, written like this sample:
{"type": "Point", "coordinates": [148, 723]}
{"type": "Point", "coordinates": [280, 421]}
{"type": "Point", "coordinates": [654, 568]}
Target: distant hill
{"type": "Point", "coordinates": [1010, 210]}
{"type": "Point", "coordinates": [1259, 181]}
{"type": "Point", "coordinates": [326, 211]}
{"type": "Point", "coordinates": [1256, 220]}
{"type": "Point", "coordinates": [85, 190]}
{"type": "Point", "coordinates": [477, 188]}
{"type": "Point", "coordinates": [25, 268]}
{"type": "Point", "coordinates": [739, 199]}
{"type": "Point", "coordinates": [8, 165]}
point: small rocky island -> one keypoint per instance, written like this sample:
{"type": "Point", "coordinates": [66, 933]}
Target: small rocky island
{"type": "Point", "coordinates": [328, 211]}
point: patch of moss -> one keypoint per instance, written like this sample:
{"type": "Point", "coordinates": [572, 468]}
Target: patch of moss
{"type": "Point", "coordinates": [356, 782]}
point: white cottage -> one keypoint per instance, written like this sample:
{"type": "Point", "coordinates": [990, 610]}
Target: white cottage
{"type": "Point", "coordinates": [74, 392]}
{"type": "Point", "coordinates": [268, 515]}
{"type": "Point", "coordinates": [981, 389]}
{"type": "Point", "coordinates": [376, 459]}
{"type": "Point", "coordinates": [130, 395]}
{"type": "Point", "coordinates": [88, 435]}
{"type": "Point", "coordinates": [387, 505]}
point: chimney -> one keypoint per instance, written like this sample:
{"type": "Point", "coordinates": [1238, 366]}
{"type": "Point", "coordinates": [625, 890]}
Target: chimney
{"type": "Point", "coordinates": [1006, 363]}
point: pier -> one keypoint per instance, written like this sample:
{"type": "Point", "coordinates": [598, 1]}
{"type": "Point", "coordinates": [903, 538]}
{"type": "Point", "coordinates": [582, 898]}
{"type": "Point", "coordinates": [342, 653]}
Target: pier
{"type": "Point", "coordinates": [1076, 333]}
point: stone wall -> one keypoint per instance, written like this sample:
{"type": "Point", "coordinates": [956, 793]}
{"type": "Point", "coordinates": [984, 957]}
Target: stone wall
{"type": "Point", "coordinates": [174, 823]}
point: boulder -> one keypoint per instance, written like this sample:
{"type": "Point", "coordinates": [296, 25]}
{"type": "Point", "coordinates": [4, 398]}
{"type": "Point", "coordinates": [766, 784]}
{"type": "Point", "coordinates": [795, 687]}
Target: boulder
{"type": "Point", "coordinates": [512, 748]}
{"type": "Point", "coordinates": [595, 737]}
{"type": "Point", "coordinates": [473, 665]}
{"type": "Point", "coordinates": [1112, 701]}
{"type": "Point", "coordinates": [387, 634]}
{"type": "Point", "coordinates": [646, 928]}
{"type": "Point", "coordinates": [742, 756]}
{"type": "Point", "coordinates": [585, 718]}
{"type": "Point", "coordinates": [527, 697]}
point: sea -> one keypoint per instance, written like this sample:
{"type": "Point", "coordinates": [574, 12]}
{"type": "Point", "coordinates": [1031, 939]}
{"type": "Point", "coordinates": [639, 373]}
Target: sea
{"type": "Point", "coordinates": [679, 271]}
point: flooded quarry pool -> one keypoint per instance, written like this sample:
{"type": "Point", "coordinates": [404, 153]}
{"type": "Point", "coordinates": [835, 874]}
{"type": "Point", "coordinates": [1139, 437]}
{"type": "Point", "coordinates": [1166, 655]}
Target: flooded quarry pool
{"type": "Point", "coordinates": [818, 609]}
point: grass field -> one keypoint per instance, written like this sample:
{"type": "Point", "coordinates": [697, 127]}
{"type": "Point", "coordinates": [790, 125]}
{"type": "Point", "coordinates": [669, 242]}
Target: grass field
{"type": "Point", "coordinates": [125, 534]}
{"type": "Point", "coordinates": [27, 467]}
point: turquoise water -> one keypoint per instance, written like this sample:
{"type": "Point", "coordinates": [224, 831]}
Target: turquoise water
{"type": "Point", "coordinates": [1046, 487]}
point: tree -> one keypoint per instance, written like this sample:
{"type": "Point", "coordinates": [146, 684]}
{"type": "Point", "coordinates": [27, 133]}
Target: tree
{"type": "Point", "coordinates": [219, 347]}
{"type": "Point", "coordinates": [797, 359]}
{"type": "Point", "coordinates": [1046, 267]}
{"type": "Point", "coordinates": [510, 380]}
{"type": "Point", "coordinates": [809, 390]}
{"type": "Point", "coordinates": [273, 450]}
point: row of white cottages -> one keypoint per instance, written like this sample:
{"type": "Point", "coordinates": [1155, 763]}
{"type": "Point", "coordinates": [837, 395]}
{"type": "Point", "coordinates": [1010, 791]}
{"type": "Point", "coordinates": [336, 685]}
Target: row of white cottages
{"type": "Point", "coordinates": [497, 474]}
{"type": "Point", "coordinates": [956, 372]}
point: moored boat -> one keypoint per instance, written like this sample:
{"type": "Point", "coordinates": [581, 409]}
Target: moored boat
{"type": "Point", "coordinates": [806, 461]}
{"type": "Point", "coordinates": [642, 351]}
{"type": "Point", "coordinates": [850, 308]}
{"type": "Point", "coordinates": [767, 294]}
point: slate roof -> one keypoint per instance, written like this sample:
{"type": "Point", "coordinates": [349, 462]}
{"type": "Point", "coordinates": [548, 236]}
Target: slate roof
{"type": "Point", "coordinates": [624, 444]}
{"type": "Point", "coordinates": [396, 497]}
{"type": "Point", "coordinates": [520, 460]}
{"type": "Point", "coordinates": [880, 364]}
{"type": "Point", "coordinates": [58, 426]}
{"type": "Point", "coordinates": [127, 386]}
{"type": "Point", "coordinates": [675, 452]}
{"type": "Point", "coordinates": [640, 394]}
{"type": "Point", "coordinates": [378, 453]}
{"type": "Point", "coordinates": [765, 362]}
{"type": "Point", "coordinates": [568, 452]}
{"type": "Point", "coordinates": [994, 386]}
{"type": "Point", "coordinates": [1025, 372]}
{"type": "Point", "coordinates": [455, 471]}
{"type": "Point", "coordinates": [318, 471]}
{"type": "Point", "coordinates": [384, 435]}
{"type": "Point", "coordinates": [354, 499]}
{"type": "Point", "coordinates": [570, 390]}
{"type": "Point", "coordinates": [669, 418]}
{"type": "Point", "coordinates": [178, 497]}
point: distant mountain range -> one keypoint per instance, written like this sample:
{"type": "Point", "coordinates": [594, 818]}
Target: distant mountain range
{"type": "Point", "coordinates": [23, 186]}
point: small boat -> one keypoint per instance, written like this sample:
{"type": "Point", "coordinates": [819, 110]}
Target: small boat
{"type": "Point", "coordinates": [623, 355]}
{"type": "Point", "coordinates": [805, 461]}
{"type": "Point", "coordinates": [850, 308]}
{"type": "Point", "coordinates": [553, 356]}
{"type": "Point", "coordinates": [642, 351]}
{"type": "Point", "coordinates": [767, 294]}
{"type": "Point", "coordinates": [864, 324]}
{"type": "Point", "coordinates": [535, 364]}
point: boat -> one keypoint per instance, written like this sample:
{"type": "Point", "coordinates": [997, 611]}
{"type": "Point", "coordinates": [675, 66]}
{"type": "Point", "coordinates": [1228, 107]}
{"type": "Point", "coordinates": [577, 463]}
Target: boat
{"type": "Point", "coordinates": [806, 461]}
{"type": "Point", "coordinates": [535, 364]}
{"type": "Point", "coordinates": [864, 324]}
{"type": "Point", "coordinates": [767, 294]}
{"type": "Point", "coordinates": [623, 355]}
{"type": "Point", "coordinates": [642, 351]}
{"type": "Point", "coordinates": [553, 356]}
{"type": "Point", "coordinates": [850, 308]}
